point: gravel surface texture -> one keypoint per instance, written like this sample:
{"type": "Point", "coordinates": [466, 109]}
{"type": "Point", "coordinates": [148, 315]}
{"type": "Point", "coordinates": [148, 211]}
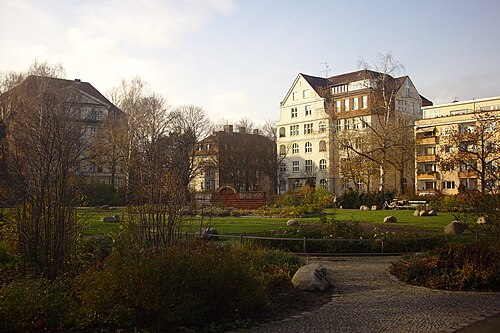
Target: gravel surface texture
{"type": "Point", "coordinates": [366, 298]}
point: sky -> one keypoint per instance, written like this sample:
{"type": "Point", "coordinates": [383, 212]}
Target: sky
{"type": "Point", "coordinates": [238, 58]}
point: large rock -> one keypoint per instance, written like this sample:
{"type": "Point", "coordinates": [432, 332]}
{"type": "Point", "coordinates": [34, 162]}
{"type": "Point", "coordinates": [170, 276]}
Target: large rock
{"type": "Point", "coordinates": [483, 220]}
{"type": "Point", "coordinates": [114, 218]}
{"type": "Point", "coordinates": [390, 219]}
{"type": "Point", "coordinates": [374, 207]}
{"type": "Point", "coordinates": [207, 233]}
{"type": "Point", "coordinates": [312, 277]}
{"type": "Point", "coordinates": [416, 213]}
{"type": "Point", "coordinates": [423, 213]}
{"type": "Point", "coordinates": [455, 228]}
{"type": "Point", "coordinates": [364, 207]}
{"type": "Point", "coordinates": [292, 223]}
{"type": "Point", "coordinates": [432, 212]}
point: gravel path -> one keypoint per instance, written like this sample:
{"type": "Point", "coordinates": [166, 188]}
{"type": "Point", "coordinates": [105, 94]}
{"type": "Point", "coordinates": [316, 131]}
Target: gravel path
{"type": "Point", "coordinates": [366, 298]}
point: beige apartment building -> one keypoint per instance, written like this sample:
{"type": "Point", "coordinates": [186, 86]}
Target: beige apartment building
{"type": "Point", "coordinates": [316, 112]}
{"type": "Point", "coordinates": [456, 147]}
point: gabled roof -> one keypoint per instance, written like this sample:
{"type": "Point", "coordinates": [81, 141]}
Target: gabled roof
{"type": "Point", "coordinates": [315, 82]}
{"type": "Point", "coordinates": [31, 85]}
{"type": "Point", "coordinates": [354, 76]}
{"type": "Point", "coordinates": [425, 101]}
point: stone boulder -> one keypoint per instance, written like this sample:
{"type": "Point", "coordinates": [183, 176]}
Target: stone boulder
{"type": "Point", "coordinates": [483, 220]}
{"type": "Point", "coordinates": [292, 223]}
{"type": "Point", "coordinates": [416, 213]}
{"type": "Point", "coordinates": [423, 213]}
{"type": "Point", "coordinates": [207, 233]}
{"type": "Point", "coordinates": [114, 218]}
{"type": "Point", "coordinates": [432, 212]}
{"type": "Point", "coordinates": [312, 277]}
{"type": "Point", "coordinates": [374, 207]}
{"type": "Point", "coordinates": [390, 219]}
{"type": "Point", "coordinates": [455, 228]}
{"type": "Point", "coordinates": [364, 207]}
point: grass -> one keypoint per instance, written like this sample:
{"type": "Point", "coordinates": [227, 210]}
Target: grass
{"type": "Point", "coordinates": [91, 218]}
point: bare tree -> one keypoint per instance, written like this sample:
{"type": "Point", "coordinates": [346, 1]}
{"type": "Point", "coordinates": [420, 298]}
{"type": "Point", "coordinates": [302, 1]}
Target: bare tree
{"type": "Point", "coordinates": [190, 126]}
{"type": "Point", "coordinates": [269, 130]}
{"type": "Point", "coordinates": [45, 138]}
{"type": "Point", "coordinates": [246, 123]}
{"type": "Point", "coordinates": [386, 133]}
{"type": "Point", "coordinates": [129, 98]}
{"type": "Point", "coordinates": [108, 147]}
{"type": "Point", "coordinates": [473, 147]}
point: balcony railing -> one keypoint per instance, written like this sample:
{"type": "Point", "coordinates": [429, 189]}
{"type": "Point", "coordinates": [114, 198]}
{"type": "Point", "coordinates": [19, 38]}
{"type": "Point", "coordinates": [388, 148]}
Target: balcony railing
{"type": "Point", "coordinates": [429, 140]}
{"type": "Point", "coordinates": [427, 158]}
{"type": "Point", "coordinates": [428, 175]}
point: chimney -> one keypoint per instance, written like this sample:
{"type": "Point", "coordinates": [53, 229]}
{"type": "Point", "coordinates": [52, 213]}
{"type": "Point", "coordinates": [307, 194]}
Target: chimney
{"type": "Point", "coordinates": [255, 131]}
{"type": "Point", "coordinates": [228, 128]}
{"type": "Point", "coordinates": [242, 129]}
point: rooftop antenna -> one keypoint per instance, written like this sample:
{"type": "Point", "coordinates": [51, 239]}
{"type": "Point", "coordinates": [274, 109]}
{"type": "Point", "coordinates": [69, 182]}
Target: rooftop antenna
{"type": "Point", "coordinates": [327, 69]}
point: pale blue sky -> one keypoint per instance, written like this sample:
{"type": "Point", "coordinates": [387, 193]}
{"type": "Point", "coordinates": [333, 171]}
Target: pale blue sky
{"type": "Point", "coordinates": [238, 58]}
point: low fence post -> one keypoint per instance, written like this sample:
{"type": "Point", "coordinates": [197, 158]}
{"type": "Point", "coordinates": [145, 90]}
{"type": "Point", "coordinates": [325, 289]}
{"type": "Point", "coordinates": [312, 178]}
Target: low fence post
{"type": "Point", "coordinates": [241, 238]}
{"type": "Point", "coordinates": [382, 249]}
{"type": "Point", "coordinates": [305, 251]}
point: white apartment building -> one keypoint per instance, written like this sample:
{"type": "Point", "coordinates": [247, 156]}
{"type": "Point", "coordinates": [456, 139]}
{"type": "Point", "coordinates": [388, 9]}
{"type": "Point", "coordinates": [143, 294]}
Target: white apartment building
{"type": "Point", "coordinates": [313, 113]}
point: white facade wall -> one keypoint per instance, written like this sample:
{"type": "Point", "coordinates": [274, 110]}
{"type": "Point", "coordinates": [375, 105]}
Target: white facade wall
{"type": "Point", "coordinates": [303, 120]}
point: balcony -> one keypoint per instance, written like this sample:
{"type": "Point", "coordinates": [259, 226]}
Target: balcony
{"type": "Point", "coordinates": [467, 174]}
{"type": "Point", "coordinates": [434, 175]}
{"type": "Point", "coordinates": [428, 158]}
{"type": "Point", "coordinates": [428, 140]}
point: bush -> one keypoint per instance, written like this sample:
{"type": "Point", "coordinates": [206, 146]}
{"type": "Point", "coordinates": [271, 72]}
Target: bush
{"type": "Point", "coordinates": [33, 304]}
{"type": "Point", "coordinates": [353, 199]}
{"type": "Point", "coordinates": [473, 266]}
{"type": "Point", "coordinates": [98, 194]}
{"type": "Point", "coordinates": [183, 286]}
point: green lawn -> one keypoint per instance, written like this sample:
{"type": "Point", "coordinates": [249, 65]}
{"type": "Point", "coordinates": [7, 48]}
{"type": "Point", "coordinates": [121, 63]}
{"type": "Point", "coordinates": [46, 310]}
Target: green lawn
{"type": "Point", "coordinates": [237, 225]}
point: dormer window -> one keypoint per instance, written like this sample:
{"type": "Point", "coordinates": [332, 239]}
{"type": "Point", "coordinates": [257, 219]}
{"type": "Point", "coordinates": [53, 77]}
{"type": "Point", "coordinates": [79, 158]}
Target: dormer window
{"type": "Point", "coordinates": [339, 89]}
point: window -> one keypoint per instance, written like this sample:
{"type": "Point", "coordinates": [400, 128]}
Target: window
{"type": "Point", "coordinates": [347, 124]}
{"type": "Point", "coordinates": [282, 132]}
{"type": "Point", "coordinates": [295, 166]}
{"type": "Point", "coordinates": [297, 184]}
{"type": "Point", "coordinates": [308, 128]}
{"type": "Point", "coordinates": [322, 145]}
{"type": "Point", "coordinates": [346, 104]}
{"type": "Point", "coordinates": [407, 88]}
{"type": "Point", "coordinates": [295, 148]}
{"type": "Point", "coordinates": [309, 147]}
{"type": "Point", "coordinates": [339, 89]}
{"type": "Point", "coordinates": [306, 93]}
{"type": "Point", "coordinates": [294, 112]}
{"type": "Point", "coordinates": [322, 164]}
{"type": "Point", "coordinates": [309, 165]}
{"type": "Point", "coordinates": [322, 126]}
{"type": "Point", "coordinates": [308, 110]}
{"type": "Point", "coordinates": [358, 143]}
{"type": "Point", "coordinates": [412, 107]}
{"type": "Point", "coordinates": [355, 103]}
{"type": "Point", "coordinates": [323, 183]}
{"type": "Point", "coordinates": [294, 130]}
{"type": "Point", "coordinates": [338, 106]}
{"type": "Point", "coordinates": [295, 96]}
{"type": "Point", "coordinates": [364, 102]}
{"type": "Point", "coordinates": [282, 150]}
{"type": "Point", "coordinates": [338, 124]}
{"type": "Point", "coordinates": [448, 185]}
{"type": "Point", "coordinates": [282, 167]}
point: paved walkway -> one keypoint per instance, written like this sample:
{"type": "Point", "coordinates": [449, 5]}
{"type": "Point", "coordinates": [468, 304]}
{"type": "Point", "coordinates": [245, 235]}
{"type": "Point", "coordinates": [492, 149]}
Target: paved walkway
{"type": "Point", "coordinates": [367, 299]}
